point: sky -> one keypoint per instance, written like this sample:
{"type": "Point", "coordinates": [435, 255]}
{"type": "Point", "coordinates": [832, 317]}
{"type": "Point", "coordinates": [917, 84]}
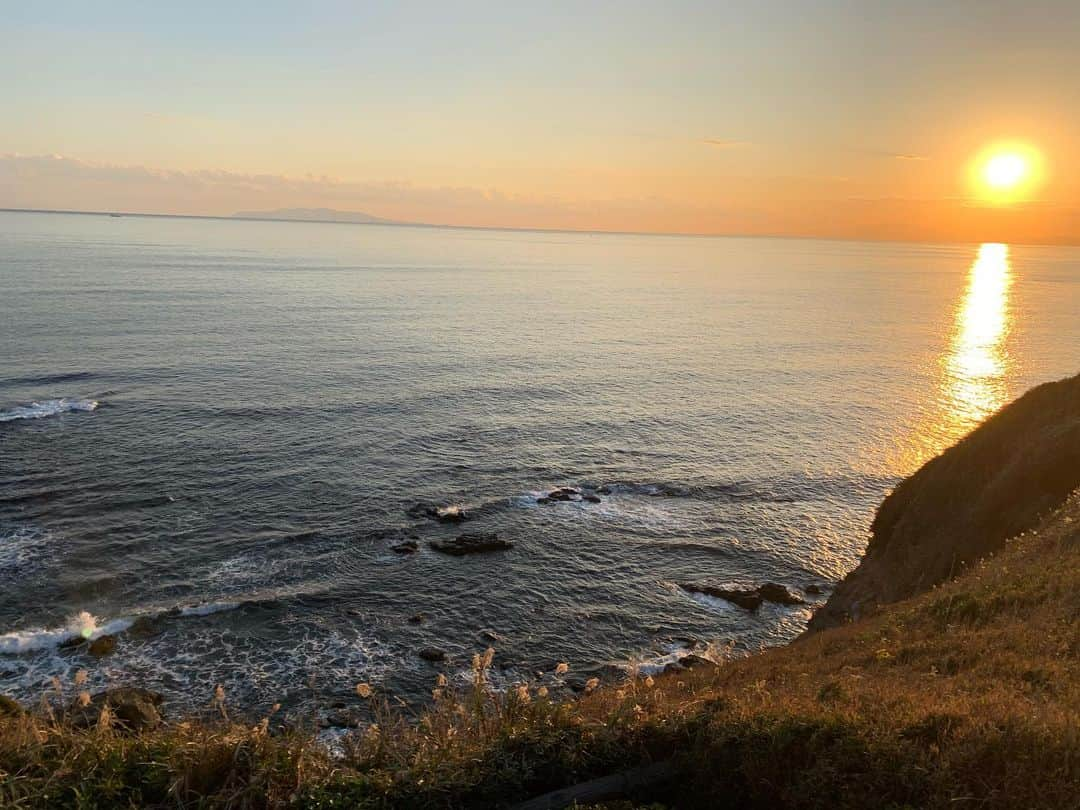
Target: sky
{"type": "Point", "coordinates": [855, 119]}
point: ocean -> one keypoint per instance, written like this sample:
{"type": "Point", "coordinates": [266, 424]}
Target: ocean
{"type": "Point", "coordinates": [213, 433]}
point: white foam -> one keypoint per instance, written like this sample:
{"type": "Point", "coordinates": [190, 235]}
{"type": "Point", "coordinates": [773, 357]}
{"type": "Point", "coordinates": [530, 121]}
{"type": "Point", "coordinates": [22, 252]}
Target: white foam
{"type": "Point", "coordinates": [206, 608]}
{"type": "Point", "coordinates": [22, 547]}
{"type": "Point", "coordinates": [47, 407]}
{"type": "Point", "coordinates": [83, 624]}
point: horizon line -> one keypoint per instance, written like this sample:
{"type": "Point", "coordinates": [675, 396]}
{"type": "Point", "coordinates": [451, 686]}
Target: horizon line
{"type": "Point", "coordinates": [524, 229]}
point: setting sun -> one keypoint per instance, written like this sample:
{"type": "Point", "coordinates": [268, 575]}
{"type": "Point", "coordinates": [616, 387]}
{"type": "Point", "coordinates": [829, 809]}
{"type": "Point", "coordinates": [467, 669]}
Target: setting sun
{"type": "Point", "coordinates": [1006, 173]}
{"type": "Point", "coordinates": [1005, 170]}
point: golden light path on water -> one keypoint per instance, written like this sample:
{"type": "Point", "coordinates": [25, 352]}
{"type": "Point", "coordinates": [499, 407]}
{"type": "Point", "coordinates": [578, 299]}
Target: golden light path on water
{"type": "Point", "coordinates": [974, 369]}
{"type": "Point", "coordinates": [973, 384]}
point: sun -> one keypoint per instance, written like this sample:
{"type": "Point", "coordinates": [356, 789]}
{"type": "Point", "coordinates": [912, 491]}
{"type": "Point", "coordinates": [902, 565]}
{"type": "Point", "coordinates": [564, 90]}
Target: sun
{"type": "Point", "coordinates": [1006, 172]}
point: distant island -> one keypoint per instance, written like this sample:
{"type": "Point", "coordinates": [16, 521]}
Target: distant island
{"type": "Point", "coordinates": [318, 215]}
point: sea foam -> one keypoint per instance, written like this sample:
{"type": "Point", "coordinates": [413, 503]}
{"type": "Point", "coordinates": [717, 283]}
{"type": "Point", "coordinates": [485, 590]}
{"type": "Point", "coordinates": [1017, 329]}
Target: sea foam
{"type": "Point", "coordinates": [84, 624]}
{"type": "Point", "coordinates": [47, 407]}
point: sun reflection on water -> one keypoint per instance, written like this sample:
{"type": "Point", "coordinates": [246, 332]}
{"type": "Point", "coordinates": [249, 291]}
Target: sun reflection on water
{"type": "Point", "coordinates": [973, 383]}
{"type": "Point", "coordinates": [973, 371]}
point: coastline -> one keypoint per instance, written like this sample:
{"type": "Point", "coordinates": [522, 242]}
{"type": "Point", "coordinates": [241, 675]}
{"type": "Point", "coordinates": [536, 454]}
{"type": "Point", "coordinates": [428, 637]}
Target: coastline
{"type": "Point", "coordinates": [904, 703]}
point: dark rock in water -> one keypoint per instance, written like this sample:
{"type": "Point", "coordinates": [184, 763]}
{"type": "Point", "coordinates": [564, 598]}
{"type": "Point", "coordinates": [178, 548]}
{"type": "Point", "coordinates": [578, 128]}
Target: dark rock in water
{"type": "Point", "coordinates": [543, 499]}
{"type": "Point", "coordinates": [432, 654]}
{"type": "Point", "coordinates": [748, 598]}
{"type": "Point", "coordinates": [144, 627]}
{"type": "Point", "coordinates": [71, 643]}
{"type": "Point", "coordinates": [450, 514]}
{"type": "Point", "coordinates": [418, 618]}
{"type": "Point", "coordinates": [102, 646]}
{"type": "Point", "coordinates": [423, 510]}
{"type": "Point", "coordinates": [471, 543]}
{"type": "Point", "coordinates": [605, 490]}
{"type": "Point", "coordinates": [406, 547]}
{"type": "Point", "coordinates": [813, 589]}
{"type": "Point", "coordinates": [592, 498]}
{"type": "Point", "coordinates": [9, 707]}
{"type": "Point", "coordinates": [780, 594]}
{"type": "Point", "coordinates": [443, 514]}
{"type": "Point", "coordinates": [487, 634]}
{"type": "Point", "coordinates": [564, 494]}
{"type": "Point", "coordinates": [132, 708]}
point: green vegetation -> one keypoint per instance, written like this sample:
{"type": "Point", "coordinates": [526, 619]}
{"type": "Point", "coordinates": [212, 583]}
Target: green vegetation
{"type": "Point", "coordinates": [964, 696]}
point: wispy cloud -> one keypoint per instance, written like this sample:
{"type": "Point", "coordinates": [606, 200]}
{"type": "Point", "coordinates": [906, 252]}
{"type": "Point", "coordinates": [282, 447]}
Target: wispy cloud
{"type": "Point", "coordinates": [907, 156]}
{"type": "Point", "coordinates": [725, 143]}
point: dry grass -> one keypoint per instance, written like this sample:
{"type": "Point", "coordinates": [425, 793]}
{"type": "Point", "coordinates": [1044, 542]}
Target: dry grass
{"type": "Point", "coordinates": [966, 696]}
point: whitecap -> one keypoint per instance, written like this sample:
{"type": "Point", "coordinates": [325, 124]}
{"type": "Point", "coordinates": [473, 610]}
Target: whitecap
{"type": "Point", "coordinates": [83, 624]}
{"type": "Point", "coordinates": [207, 608]}
{"type": "Point", "coordinates": [47, 407]}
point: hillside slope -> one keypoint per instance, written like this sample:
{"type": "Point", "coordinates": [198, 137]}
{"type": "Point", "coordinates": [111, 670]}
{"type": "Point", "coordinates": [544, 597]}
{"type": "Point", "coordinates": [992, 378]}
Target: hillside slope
{"type": "Point", "coordinates": [964, 504]}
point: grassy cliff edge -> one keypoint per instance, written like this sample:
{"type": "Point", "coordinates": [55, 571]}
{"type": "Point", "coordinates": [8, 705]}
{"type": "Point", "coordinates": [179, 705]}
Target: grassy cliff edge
{"type": "Point", "coordinates": [948, 692]}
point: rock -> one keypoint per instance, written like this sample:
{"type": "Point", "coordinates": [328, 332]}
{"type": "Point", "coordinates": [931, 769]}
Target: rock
{"type": "Point", "coordinates": [133, 709]}
{"type": "Point", "coordinates": [443, 514]}
{"type": "Point", "coordinates": [471, 543]}
{"type": "Point", "coordinates": [695, 661]}
{"type": "Point", "coordinates": [543, 499]}
{"type": "Point", "coordinates": [71, 643]}
{"type": "Point", "coordinates": [605, 490]}
{"type": "Point", "coordinates": [432, 654]}
{"type": "Point", "coordinates": [418, 618]}
{"type": "Point", "coordinates": [342, 718]}
{"type": "Point", "coordinates": [592, 498]}
{"type": "Point", "coordinates": [9, 707]}
{"type": "Point", "coordinates": [564, 494]}
{"type": "Point", "coordinates": [406, 547]}
{"type": "Point", "coordinates": [748, 598]}
{"type": "Point", "coordinates": [487, 634]}
{"type": "Point", "coordinates": [144, 627]}
{"type": "Point", "coordinates": [450, 514]}
{"type": "Point", "coordinates": [813, 589]}
{"type": "Point", "coordinates": [774, 592]}
{"type": "Point", "coordinates": [102, 646]}
{"type": "Point", "coordinates": [423, 510]}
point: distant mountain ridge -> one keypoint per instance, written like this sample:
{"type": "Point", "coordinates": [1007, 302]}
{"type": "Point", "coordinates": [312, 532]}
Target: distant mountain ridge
{"type": "Point", "coordinates": [317, 215]}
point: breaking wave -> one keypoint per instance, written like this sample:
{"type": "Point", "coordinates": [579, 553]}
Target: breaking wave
{"type": "Point", "coordinates": [47, 407]}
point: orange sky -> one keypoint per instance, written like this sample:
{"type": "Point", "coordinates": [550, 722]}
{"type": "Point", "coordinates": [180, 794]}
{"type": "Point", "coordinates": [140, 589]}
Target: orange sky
{"type": "Point", "coordinates": [785, 118]}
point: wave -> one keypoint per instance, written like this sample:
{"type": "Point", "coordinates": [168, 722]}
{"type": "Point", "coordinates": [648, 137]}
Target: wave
{"type": "Point", "coordinates": [207, 608]}
{"type": "Point", "coordinates": [87, 626]}
{"type": "Point", "coordinates": [47, 407]}
{"type": "Point", "coordinates": [84, 625]}
{"type": "Point", "coordinates": [49, 379]}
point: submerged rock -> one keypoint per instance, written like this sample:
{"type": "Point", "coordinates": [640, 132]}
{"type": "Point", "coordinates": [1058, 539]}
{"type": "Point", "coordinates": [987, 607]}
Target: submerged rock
{"type": "Point", "coordinates": [102, 646]}
{"type": "Point", "coordinates": [592, 498]}
{"type": "Point", "coordinates": [418, 618]}
{"type": "Point", "coordinates": [748, 598]}
{"type": "Point", "coordinates": [441, 513]}
{"type": "Point", "coordinates": [432, 654]}
{"type": "Point", "coordinates": [471, 543]}
{"type": "Point", "coordinates": [564, 494]}
{"type": "Point", "coordinates": [405, 547]}
{"type": "Point", "coordinates": [780, 594]}
{"type": "Point", "coordinates": [132, 708]}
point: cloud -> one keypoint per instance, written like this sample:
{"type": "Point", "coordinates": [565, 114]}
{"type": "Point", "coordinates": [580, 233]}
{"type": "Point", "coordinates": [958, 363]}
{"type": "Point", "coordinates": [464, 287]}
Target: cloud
{"type": "Point", "coordinates": [723, 143]}
{"type": "Point", "coordinates": [903, 156]}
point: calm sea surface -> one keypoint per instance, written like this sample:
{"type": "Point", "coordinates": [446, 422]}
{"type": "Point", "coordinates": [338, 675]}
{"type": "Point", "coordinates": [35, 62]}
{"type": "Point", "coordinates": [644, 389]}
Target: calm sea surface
{"type": "Point", "coordinates": [220, 426]}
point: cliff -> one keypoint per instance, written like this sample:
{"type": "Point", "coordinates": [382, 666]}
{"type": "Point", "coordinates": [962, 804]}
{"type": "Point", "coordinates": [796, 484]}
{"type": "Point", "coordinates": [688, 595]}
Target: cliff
{"type": "Point", "coordinates": [963, 505]}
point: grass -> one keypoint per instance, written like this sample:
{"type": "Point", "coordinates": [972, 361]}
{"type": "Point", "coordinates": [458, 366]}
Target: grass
{"type": "Point", "coordinates": [965, 696]}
